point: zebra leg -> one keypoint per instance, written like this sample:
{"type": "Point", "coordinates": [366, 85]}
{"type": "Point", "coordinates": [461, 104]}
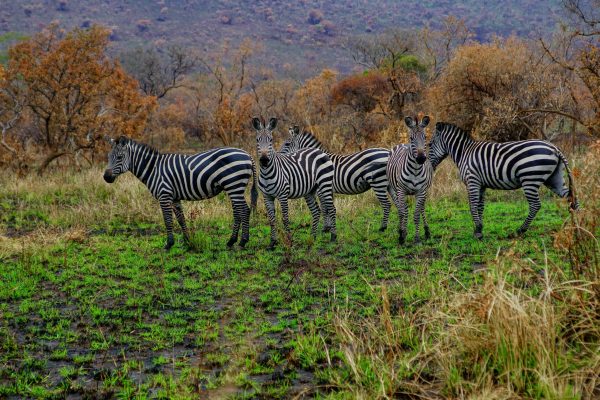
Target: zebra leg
{"type": "Point", "coordinates": [403, 216]}
{"type": "Point", "coordinates": [315, 211]}
{"type": "Point", "coordinates": [326, 200]}
{"type": "Point", "coordinates": [419, 210]}
{"type": "Point", "coordinates": [533, 198]}
{"type": "Point", "coordinates": [481, 205]}
{"type": "Point", "coordinates": [245, 218]}
{"type": "Point", "coordinates": [270, 206]}
{"type": "Point", "coordinates": [286, 216]}
{"type": "Point", "coordinates": [381, 194]}
{"type": "Point", "coordinates": [166, 205]}
{"type": "Point", "coordinates": [474, 188]}
{"type": "Point", "coordinates": [181, 220]}
{"type": "Point", "coordinates": [240, 209]}
{"type": "Point", "coordinates": [425, 225]}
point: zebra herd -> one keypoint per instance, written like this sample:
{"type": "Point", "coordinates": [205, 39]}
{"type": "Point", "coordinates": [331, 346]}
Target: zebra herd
{"type": "Point", "coordinates": [302, 168]}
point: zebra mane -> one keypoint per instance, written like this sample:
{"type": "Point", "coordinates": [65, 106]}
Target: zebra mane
{"type": "Point", "coordinates": [143, 146]}
{"type": "Point", "coordinates": [311, 135]}
{"type": "Point", "coordinates": [456, 130]}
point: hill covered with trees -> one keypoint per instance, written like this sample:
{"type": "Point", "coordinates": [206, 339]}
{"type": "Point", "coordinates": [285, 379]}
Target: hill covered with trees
{"type": "Point", "coordinates": [299, 36]}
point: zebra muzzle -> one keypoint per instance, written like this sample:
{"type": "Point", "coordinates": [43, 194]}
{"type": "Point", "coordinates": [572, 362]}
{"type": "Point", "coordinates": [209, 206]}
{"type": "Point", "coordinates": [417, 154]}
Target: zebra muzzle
{"type": "Point", "coordinates": [421, 157]}
{"type": "Point", "coordinates": [108, 176]}
{"type": "Point", "coordinates": [264, 160]}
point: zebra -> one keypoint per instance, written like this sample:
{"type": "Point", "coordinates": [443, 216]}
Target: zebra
{"type": "Point", "coordinates": [290, 176]}
{"type": "Point", "coordinates": [353, 173]}
{"type": "Point", "coordinates": [410, 173]}
{"type": "Point", "coordinates": [175, 177]}
{"type": "Point", "coordinates": [526, 164]}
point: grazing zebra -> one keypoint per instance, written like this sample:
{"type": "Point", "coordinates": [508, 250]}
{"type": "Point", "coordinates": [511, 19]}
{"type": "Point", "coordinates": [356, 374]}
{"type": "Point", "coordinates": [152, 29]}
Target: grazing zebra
{"type": "Point", "coordinates": [410, 173]}
{"type": "Point", "coordinates": [290, 176]}
{"type": "Point", "coordinates": [354, 173]}
{"type": "Point", "coordinates": [505, 166]}
{"type": "Point", "coordinates": [175, 177]}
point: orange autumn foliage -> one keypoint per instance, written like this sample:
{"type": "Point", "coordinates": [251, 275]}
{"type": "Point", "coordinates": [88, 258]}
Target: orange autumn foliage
{"type": "Point", "coordinates": [73, 93]}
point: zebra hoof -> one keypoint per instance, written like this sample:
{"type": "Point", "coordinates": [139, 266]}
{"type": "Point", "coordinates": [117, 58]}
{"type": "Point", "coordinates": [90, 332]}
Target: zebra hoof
{"type": "Point", "coordinates": [417, 242]}
{"type": "Point", "coordinates": [243, 243]}
{"type": "Point", "coordinates": [170, 243]}
{"type": "Point", "coordinates": [427, 234]}
{"type": "Point", "coordinates": [333, 237]}
{"type": "Point", "coordinates": [272, 245]}
{"type": "Point", "coordinates": [478, 235]}
{"type": "Point", "coordinates": [382, 229]}
{"type": "Point", "coordinates": [231, 242]}
{"type": "Point", "coordinates": [401, 239]}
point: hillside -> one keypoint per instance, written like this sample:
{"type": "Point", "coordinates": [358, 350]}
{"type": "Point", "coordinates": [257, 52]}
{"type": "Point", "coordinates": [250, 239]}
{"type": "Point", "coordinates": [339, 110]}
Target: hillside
{"type": "Point", "coordinates": [305, 35]}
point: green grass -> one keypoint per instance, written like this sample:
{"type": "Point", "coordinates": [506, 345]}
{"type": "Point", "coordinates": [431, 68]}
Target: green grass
{"type": "Point", "coordinates": [91, 305]}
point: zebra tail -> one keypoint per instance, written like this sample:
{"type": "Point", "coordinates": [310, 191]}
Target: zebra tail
{"type": "Point", "coordinates": [253, 189]}
{"type": "Point", "coordinates": [573, 203]}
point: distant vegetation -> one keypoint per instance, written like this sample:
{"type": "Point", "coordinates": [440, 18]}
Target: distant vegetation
{"type": "Point", "coordinates": [306, 34]}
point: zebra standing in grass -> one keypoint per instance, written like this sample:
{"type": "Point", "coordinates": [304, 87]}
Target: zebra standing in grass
{"type": "Point", "coordinates": [290, 176]}
{"type": "Point", "coordinates": [410, 173]}
{"type": "Point", "coordinates": [505, 166]}
{"type": "Point", "coordinates": [354, 173]}
{"type": "Point", "coordinates": [175, 177]}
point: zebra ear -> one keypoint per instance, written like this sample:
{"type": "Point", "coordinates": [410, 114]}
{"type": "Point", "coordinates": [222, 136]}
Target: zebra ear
{"type": "Point", "coordinates": [296, 129]}
{"type": "Point", "coordinates": [109, 140]}
{"type": "Point", "coordinates": [122, 140]}
{"type": "Point", "coordinates": [424, 121]}
{"type": "Point", "coordinates": [272, 124]}
{"type": "Point", "coordinates": [409, 122]}
{"type": "Point", "coordinates": [257, 124]}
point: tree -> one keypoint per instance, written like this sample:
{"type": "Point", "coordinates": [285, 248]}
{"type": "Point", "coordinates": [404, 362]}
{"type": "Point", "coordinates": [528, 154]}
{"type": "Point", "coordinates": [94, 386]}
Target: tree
{"type": "Point", "coordinates": [158, 73]}
{"type": "Point", "coordinates": [497, 89]}
{"type": "Point", "coordinates": [439, 45]}
{"type": "Point", "coordinates": [73, 93]}
{"type": "Point", "coordinates": [577, 52]}
{"type": "Point", "coordinates": [394, 55]}
{"type": "Point", "coordinates": [222, 94]}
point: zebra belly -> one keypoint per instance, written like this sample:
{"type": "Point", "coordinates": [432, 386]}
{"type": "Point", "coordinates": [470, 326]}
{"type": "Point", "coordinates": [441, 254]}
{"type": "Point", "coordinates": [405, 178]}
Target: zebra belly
{"type": "Point", "coordinates": [357, 187]}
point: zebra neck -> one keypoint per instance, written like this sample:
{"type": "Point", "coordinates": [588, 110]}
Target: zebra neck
{"type": "Point", "coordinates": [459, 147]}
{"type": "Point", "coordinates": [143, 161]}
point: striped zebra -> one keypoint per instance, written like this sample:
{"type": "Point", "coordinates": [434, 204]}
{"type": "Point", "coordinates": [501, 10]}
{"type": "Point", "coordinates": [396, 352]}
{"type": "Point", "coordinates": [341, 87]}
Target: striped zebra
{"type": "Point", "coordinates": [526, 164]}
{"type": "Point", "coordinates": [354, 173]}
{"type": "Point", "coordinates": [410, 173]}
{"type": "Point", "coordinates": [305, 173]}
{"type": "Point", "coordinates": [175, 177]}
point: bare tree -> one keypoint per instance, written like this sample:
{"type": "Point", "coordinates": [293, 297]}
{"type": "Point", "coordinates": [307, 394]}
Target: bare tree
{"type": "Point", "coordinates": [158, 73]}
{"type": "Point", "coordinates": [577, 51]}
{"type": "Point", "coordinates": [392, 53]}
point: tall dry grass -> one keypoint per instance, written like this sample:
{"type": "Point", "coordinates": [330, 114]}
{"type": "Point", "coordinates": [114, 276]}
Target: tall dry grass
{"type": "Point", "coordinates": [517, 334]}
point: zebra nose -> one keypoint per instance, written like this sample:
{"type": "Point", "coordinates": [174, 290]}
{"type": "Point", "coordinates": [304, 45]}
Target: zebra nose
{"type": "Point", "coordinates": [421, 157]}
{"type": "Point", "coordinates": [108, 176]}
{"type": "Point", "coordinates": [264, 159]}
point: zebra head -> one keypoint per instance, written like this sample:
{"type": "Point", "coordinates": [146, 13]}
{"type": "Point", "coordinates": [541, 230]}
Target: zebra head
{"type": "Point", "coordinates": [118, 159]}
{"type": "Point", "coordinates": [417, 137]}
{"type": "Point", "coordinates": [437, 146]}
{"type": "Point", "coordinates": [291, 145]}
{"type": "Point", "coordinates": [264, 139]}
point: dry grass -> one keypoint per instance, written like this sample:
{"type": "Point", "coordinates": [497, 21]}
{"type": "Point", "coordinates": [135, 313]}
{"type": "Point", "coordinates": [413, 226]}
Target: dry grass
{"type": "Point", "coordinates": [518, 334]}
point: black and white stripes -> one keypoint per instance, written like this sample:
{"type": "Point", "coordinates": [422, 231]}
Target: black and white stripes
{"type": "Point", "coordinates": [410, 173]}
{"type": "Point", "coordinates": [506, 166]}
{"type": "Point", "coordinates": [175, 177]}
{"type": "Point", "coordinates": [354, 173]}
{"type": "Point", "coordinates": [304, 173]}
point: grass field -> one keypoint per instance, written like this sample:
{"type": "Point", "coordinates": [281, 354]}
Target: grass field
{"type": "Point", "coordinates": [91, 306]}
